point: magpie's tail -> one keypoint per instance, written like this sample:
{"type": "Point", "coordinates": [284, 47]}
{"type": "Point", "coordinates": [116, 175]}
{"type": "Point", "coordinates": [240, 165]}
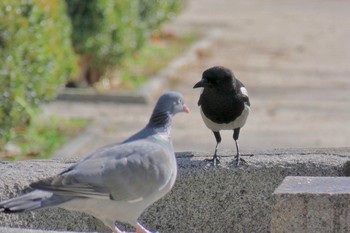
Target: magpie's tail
{"type": "Point", "coordinates": [34, 200]}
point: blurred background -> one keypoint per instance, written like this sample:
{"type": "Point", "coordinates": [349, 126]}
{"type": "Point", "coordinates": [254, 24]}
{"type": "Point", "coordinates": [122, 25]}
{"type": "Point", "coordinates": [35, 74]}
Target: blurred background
{"type": "Point", "coordinates": [293, 57]}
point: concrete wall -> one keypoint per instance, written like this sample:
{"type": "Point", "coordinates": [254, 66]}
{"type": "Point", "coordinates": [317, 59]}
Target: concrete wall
{"type": "Point", "coordinates": [204, 199]}
{"type": "Point", "coordinates": [312, 205]}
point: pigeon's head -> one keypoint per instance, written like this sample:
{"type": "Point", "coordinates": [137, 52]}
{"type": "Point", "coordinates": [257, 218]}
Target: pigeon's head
{"type": "Point", "coordinates": [171, 103]}
{"type": "Point", "coordinates": [216, 77]}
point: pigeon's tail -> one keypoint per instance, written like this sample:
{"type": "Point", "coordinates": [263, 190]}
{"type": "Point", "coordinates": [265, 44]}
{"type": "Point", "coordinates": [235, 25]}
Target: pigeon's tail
{"type": "Point", "coordinates": [34, 200]}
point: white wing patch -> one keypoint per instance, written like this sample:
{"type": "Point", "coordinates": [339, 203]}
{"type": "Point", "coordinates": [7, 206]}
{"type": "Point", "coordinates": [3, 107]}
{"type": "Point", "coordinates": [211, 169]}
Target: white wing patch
{"type": "Point", "coordinates": [244, 91]}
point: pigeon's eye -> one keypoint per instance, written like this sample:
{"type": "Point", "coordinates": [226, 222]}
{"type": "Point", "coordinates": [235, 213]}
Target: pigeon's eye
{"type": "Point", "coordinates": [177, 102]}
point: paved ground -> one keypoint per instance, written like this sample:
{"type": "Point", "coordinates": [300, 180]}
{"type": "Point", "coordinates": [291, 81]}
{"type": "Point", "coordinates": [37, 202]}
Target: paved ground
{"type": "Point", "coordinates": [293, 56]}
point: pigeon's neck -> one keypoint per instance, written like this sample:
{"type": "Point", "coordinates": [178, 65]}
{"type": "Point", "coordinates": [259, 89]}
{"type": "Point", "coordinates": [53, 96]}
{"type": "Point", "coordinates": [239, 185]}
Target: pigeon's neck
{"type": "Point", "coordinates": [161, 122]}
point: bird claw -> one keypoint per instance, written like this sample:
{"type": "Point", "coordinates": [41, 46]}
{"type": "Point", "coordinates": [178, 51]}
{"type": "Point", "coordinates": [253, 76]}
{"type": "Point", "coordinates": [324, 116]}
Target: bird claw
{"type": "Point", "coordinates": [215, 160]}
{"type": "Point", "coordinates": [239, 159]}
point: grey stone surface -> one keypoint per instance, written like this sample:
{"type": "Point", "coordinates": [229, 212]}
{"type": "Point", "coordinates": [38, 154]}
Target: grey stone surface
{"type": "Point", "coordinates": [312, 205]}
{"type": "Point", "coordinates": [19, 230]}
{"type": "Point", "coordinates": [314, 185]}
{"type": "Point", "coordinates": [205, 199]}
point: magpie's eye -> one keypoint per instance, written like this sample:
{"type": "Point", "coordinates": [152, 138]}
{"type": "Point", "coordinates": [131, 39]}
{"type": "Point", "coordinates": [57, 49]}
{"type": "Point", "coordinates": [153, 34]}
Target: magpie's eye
{"type": "Point", "coordinates": [212, 81]}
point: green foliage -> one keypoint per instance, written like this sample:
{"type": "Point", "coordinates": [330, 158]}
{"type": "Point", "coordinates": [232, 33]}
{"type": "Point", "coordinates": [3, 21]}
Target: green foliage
{"type": "Point", "coordinates": [36, 40]}
{"type": "Point", "coordinates": [36, 57]}
{"type": "Point", "coordinates": [44, 136]}
{"type": "Point", "coordinates": [105, 31]}
{"type": "Point", "coordinates": [154, 12]}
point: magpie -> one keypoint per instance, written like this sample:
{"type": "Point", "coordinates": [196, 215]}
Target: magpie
{"type": "Point", "coordinates": [224, 104]}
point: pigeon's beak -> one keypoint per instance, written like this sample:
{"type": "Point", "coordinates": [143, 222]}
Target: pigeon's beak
{"type": "Point", "coordinates": [202, 83]}
{"type": "Point", "coordinates": [186, 109]}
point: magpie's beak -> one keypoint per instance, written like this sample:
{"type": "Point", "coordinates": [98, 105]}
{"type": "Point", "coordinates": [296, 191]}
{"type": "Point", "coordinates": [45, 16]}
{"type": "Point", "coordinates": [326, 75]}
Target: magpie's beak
{"type": "Point", "coordinates": [202, 83]}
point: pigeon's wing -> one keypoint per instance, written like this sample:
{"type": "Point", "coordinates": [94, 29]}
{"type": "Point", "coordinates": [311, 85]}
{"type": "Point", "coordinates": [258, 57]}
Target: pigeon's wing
{"type": "Point", "coordinates": [126, 172]}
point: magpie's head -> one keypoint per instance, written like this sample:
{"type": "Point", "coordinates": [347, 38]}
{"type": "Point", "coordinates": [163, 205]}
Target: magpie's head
{"type": "Point", "coordinates": [216, 77]}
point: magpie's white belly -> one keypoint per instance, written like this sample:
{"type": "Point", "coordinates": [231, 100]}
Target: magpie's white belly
{"type": "Point", "coordinates": [237, 123]}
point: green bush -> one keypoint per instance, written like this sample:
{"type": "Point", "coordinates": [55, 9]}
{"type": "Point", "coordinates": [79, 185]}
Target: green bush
{"type": "Point", "coordinates": [155, 12]}
{"type": "Point", "coordinates": [36, 39]}
{"type": "Point", "coordinates": [107, 31]}
{"type": "Point", "coordinates": [36, 57]}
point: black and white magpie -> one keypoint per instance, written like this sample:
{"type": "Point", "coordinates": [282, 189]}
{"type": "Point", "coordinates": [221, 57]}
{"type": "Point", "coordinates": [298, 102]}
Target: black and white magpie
{"type": "Point", "coordinates": [224, 104]}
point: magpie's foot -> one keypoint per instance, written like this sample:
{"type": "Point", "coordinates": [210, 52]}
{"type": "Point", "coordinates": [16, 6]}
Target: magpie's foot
{"type": "Point", "coordinates": [215, 160]}
{"type": "Point", "coordinates": [239, 160]}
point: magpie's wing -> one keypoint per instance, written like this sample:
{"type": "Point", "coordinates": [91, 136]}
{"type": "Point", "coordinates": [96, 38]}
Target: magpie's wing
{"type": "Point", "coordinates": [243, 91]}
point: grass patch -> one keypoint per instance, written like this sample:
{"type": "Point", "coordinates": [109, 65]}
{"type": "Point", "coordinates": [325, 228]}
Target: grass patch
{"type": "Point", "coordinates": [42, 137]}
{"type": "Point", "coordinates": [154, 56]}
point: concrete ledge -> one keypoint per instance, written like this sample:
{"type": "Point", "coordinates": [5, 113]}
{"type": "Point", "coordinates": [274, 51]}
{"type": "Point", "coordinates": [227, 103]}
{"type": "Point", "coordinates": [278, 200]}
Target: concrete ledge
{"type": "Point", "coordinates": [16, 230]}
{"type": "Point", "coordinates": [204, 199]}
{"type": "Point", "coordinates": [312, 204]}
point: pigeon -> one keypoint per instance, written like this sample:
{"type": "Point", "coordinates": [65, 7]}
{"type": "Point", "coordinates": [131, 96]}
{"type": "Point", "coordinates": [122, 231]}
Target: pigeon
{"type": "Point", "coordinates": [116, 182]}
{"type": "Point", "coordinates": [224, 104]}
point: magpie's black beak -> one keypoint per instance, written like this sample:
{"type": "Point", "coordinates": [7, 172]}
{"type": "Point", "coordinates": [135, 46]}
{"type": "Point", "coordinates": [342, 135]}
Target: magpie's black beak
{"type": "Point", "coordinates": [202, 83]}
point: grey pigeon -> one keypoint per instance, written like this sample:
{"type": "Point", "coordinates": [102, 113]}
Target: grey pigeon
{"type": "Point", "coordinates": [224, 104]}
{"type": "Point", "coordinates": [116, 182]}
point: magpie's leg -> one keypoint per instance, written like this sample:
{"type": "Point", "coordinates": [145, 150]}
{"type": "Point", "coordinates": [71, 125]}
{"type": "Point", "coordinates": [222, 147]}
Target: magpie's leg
{"type": "Point", "coordinates": [216, 158]}
{"type": "Point", "coordinates": [218, 140]}
{"type": "Point", "coordinates": [235, 137]}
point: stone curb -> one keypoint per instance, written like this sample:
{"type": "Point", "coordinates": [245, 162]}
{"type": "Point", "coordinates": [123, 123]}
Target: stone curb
{"type": "Point", "coordinates": [312, 204]}
{"type": "Point", "coordinates": [152, 88]}
{"type": "Point", "coordinates": [71, 148]}
{"type": "Point", "coordinates": [19, 230]}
